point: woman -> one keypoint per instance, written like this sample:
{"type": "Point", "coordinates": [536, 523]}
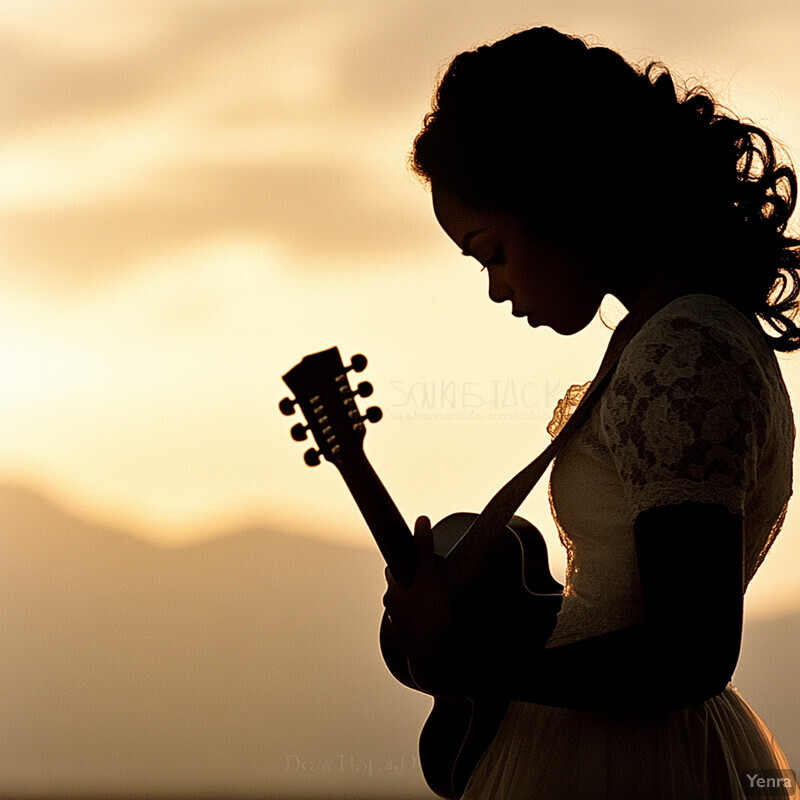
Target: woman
{"type": "Point", "coordinates": [568, 174]}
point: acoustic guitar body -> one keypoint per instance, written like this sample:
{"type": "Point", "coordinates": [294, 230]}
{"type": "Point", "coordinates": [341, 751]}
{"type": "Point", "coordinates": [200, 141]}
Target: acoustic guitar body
{"type": "Point", "coordinates": [509, 603]}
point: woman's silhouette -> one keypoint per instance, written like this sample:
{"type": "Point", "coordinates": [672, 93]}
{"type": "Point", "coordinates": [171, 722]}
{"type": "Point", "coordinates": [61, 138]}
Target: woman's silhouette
{"type": "Point", "coordinates": [568, 174]}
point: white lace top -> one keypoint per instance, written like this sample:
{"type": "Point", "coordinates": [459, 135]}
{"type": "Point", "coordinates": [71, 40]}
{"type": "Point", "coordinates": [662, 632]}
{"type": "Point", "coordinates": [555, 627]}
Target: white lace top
{"type": "Point", "coordinates": [696, 410]}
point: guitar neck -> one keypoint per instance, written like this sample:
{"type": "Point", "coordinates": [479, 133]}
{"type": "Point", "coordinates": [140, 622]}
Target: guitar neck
{"type": "Point", "coordinates": [383, 518]}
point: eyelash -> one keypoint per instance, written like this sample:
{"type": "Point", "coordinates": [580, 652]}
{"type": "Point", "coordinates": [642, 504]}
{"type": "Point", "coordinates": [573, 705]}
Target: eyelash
{"type": "Point", "coordinates": [496, 258]}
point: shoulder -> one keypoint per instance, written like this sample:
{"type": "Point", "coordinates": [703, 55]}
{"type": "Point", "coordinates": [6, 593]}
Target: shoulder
{"type": "Point", "coordinates": [695, 407]}
{"type": "Point", "coordinates": [706, 315]}
{"type": "Point", "coordinates": [697, 369]}
{"type": "Point", "coordinates": [699, 336]}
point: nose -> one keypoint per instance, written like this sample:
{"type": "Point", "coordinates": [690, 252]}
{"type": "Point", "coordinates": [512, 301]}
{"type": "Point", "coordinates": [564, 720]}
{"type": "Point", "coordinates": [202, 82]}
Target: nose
{"type": "Point", "coordinates": [499, 291]}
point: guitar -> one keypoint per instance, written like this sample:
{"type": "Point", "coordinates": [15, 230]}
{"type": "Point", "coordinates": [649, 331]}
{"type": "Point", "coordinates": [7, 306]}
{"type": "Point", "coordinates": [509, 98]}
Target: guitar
{"type": "Point", "coordinates": [507, 601]}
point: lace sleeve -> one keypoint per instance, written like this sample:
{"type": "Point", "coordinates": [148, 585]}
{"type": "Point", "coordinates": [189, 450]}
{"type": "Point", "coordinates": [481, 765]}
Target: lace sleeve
{"type": "Point", "coordinates": [685, 413]}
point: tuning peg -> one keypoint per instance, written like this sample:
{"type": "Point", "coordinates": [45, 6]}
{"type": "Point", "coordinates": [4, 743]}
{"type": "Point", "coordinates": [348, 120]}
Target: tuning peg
{"type": "Point", "coordinates": [364, 389]}
{"type": "Point", "coordinates": [374, 414]}
{"type": "Point", "coordinates": [357, 363]}
{"type": "Point", "coordinates": [286, 406]}
{"type": "Point", "coordinates": [311, 457]}
{"type": "Point", "coordinates": [299, 432]}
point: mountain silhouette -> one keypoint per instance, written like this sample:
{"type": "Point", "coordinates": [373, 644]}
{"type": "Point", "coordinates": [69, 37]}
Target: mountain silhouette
{"type": "Point", "coordinates": [247, 665]}
{"type": "Point", "coordinates": [244, 666]}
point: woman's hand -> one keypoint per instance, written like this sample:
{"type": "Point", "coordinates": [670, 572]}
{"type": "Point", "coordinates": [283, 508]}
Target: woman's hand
{"type": "Point", "coordinates": [420, 614]}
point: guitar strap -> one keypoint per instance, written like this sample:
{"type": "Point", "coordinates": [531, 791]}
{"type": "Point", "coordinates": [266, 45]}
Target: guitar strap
{"type": "Point", "coordinates": [477, 541]}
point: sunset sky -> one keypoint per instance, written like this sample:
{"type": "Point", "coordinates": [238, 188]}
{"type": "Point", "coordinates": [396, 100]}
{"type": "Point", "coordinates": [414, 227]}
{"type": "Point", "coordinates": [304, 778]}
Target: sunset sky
{"type": "Point", "coordinates": [197, 194]}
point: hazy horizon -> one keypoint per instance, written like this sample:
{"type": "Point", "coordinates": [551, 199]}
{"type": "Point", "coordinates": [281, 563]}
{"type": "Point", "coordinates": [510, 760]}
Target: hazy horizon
{"type": "Point", "coordinates": [224, 667]}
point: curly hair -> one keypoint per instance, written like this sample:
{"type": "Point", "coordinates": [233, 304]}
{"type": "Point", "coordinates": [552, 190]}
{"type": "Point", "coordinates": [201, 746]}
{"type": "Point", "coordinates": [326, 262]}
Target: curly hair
{"type": "Point", "coordinates": [590, 149]}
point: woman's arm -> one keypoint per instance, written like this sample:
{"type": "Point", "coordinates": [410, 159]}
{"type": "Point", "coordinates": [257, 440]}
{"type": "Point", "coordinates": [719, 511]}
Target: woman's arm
{"type": "Point", "coordinates": [691, 566]}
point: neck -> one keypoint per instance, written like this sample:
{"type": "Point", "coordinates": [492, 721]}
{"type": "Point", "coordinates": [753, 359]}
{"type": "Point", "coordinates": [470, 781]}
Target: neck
{"type": "Point", "coordinates": [633, 288]}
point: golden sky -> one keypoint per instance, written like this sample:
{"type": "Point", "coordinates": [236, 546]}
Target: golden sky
{"type": "Point", "coordinates": [196, 194]}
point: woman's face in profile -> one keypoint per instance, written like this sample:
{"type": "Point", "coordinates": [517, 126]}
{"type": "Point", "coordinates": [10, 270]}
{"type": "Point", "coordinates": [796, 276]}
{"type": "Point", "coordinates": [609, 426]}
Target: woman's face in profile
{"type": "Point", "coordinates": [547, 283]}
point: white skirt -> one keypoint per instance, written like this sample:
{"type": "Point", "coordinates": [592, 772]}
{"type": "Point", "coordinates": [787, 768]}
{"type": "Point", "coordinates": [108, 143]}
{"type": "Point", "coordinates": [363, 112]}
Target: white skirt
{"type": "Point", "coordinates": [701, 753]}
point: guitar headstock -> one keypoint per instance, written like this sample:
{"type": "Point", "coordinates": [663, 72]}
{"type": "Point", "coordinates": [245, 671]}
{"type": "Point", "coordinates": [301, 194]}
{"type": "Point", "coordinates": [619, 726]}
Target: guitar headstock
{"type": "Point", "coordinates": [321, 389]}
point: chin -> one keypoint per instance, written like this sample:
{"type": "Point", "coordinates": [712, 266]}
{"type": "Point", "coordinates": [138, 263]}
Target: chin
{"type": "Point", "coordinates": [568, 325]}
{"type": "Point", "coordinates": [562, 327]}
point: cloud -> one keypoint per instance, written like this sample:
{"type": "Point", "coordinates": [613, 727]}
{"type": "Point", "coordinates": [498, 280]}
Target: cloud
{"type": "Point", "coordinates": [213, 118]}
{"type": "Point", "coordinates": [318, 211]}
{"type": "Point", "coordinates": [73, 59]}
{"type": "Point", "coordinates": [137, 127]}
